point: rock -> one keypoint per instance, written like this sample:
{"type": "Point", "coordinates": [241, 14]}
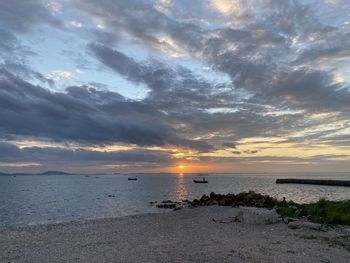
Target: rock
{"type": "Point", "coordinates": [195, 202]}
{"type": "Point", "coordinates": [253, 215]}
{"type": "Point", "coordinates": [111, 195]}
{"type": "Point", "coordinates": [204, 199]}
{"type": "Point", "coordinates": [225, 201]}
{"type": "Point", "coordinates": [213, 195]}
{"type": "Point", "coordinates": [177, 208]}
{"type": "Point", "coordinates": [304, 224]}
{"type": "Point", "coordinates": [167, 205]}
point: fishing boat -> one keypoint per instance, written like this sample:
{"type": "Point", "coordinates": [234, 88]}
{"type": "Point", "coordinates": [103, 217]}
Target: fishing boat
{"type": "Point", "coordinates": [203, 181]}
{"type": "Point", "coordinates": [132, 179]}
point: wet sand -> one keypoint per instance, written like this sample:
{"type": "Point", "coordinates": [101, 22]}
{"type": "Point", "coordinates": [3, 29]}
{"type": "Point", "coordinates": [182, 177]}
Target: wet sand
{"type": "Point", "coordinates": [187, 235]}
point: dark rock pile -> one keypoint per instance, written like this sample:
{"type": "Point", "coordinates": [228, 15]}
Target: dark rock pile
{"type": "Point", "coordinates": [250, 198]}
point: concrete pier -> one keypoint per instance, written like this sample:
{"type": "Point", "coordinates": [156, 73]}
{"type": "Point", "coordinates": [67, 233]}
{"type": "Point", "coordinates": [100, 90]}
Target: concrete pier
{"type": "Point", "coordinates": [314, 181]}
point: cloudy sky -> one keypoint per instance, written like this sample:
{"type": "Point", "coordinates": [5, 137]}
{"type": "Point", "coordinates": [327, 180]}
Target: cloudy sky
{"type": "Point", "coordinates": [213, 85]}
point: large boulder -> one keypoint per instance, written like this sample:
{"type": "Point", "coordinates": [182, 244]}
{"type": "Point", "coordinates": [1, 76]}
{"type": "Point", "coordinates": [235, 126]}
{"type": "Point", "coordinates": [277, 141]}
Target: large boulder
{"type": "Point", "coordinates": [253, 215]}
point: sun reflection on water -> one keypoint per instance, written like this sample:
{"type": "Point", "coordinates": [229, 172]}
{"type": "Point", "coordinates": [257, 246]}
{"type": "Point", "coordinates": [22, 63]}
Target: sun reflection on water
{"type": "Point", "coordinates": [181, 191]}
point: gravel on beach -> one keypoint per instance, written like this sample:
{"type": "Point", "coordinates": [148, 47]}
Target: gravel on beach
{"type": "Point", "coordinates": [187, 235]}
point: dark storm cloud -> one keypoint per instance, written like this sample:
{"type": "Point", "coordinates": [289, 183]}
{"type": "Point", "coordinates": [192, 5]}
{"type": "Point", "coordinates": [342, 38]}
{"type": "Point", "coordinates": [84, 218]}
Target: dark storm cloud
{"type": "Point", "coordinates": [120, 63]}
{"type": "Point", "coordinates": [174, 86]}
{"type": "Point", "coordinates": [258, 61]}
{"type": "Point", "coordinates": [10, 153]}
{"type": "Point", "coordinates": [169, 86]}
{"type": "Point", "coordinates": [332, 46]}
{"type": "Point", "coordinates": [20, 16]}
{"type": "Point", "coordinates": [82, 115]}
{"type": "Point", "coordinates": [230, 145]}
{"type": "Point", "coordinates": [270, 160]}
{"type": "Point", "coordinates": [307, 89]}
{"type": "Point", "coordinates": [25, 72]}
{"type": "Point", "coordinates": [142, 21]}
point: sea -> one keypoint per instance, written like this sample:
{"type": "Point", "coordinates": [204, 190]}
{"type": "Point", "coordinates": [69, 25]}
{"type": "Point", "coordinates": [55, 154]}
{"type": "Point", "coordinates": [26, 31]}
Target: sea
{"type": "Point", "coordinates": [42, 199]}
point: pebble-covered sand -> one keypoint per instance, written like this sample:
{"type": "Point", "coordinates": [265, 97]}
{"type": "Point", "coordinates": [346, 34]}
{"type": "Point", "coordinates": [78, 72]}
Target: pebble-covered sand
{"type": "Point", "coordinates": [187, 235]}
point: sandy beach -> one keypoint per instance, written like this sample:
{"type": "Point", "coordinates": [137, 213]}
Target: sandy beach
{"type": "Point", "coordinates": [187, 235]}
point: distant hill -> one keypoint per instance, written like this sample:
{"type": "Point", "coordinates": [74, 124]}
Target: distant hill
{"type": "Point", "coordinates": [44, 173]}
{"type": "Point", "coordinates": [54, 173]}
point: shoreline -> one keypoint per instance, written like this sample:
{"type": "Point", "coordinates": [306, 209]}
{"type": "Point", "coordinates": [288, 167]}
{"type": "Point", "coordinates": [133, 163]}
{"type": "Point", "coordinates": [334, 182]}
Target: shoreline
{"type": "Point", "coordinates": [77, 221]}
{"type": "Point", "coordinates": [186, 235]}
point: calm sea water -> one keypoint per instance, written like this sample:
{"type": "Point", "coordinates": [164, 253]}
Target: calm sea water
{"type": "Point", "coordinates": [58, 198]}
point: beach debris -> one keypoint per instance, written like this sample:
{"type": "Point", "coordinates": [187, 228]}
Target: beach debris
{"type": "Point", "coordinates": [227, 221]}
{"type": "Point", "coordinates": [287, 220]}
{"type": "Point", "coordinates": [305, 224]}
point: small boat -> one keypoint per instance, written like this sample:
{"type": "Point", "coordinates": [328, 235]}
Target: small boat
{"type": "Point", "coordinates": [203, 181]}
{"type": "Point", "coordinates": [132, 178]}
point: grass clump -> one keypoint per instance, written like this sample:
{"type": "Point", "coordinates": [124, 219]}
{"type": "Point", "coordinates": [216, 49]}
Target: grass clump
{"type": "Point", "coordinates": [329, 212]}
{"type": "Point", "coordinates": [290, 209]}
{"type": "Point", "coordinates": [323, 211]}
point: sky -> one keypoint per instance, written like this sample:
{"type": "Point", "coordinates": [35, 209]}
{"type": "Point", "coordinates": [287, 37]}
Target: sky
{"type": "Point", "coordinates": [148, 86]}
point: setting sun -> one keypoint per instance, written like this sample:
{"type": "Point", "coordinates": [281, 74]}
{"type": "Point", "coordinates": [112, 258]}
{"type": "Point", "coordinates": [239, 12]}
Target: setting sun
{"type": "Point", "coordinates": [181, 167]}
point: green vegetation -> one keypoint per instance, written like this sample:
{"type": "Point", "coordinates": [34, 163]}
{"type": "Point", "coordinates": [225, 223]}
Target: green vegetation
{"type": "Point", "coordinates": [323, 211]}
{"type": "Point", "coordinates": [290, 209]}
{"type": "Point", "coordinates": [328, 212]}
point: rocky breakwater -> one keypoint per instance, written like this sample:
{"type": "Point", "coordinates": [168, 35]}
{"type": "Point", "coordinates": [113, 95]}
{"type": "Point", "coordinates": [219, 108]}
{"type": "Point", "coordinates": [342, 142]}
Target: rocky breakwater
{"type": "Point", "coordinates": [249, 199]}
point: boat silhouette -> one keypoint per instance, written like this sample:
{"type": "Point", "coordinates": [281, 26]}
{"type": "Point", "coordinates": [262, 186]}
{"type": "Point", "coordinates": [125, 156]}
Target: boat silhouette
{"type": "Point", "coordinates": [203, 181]}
